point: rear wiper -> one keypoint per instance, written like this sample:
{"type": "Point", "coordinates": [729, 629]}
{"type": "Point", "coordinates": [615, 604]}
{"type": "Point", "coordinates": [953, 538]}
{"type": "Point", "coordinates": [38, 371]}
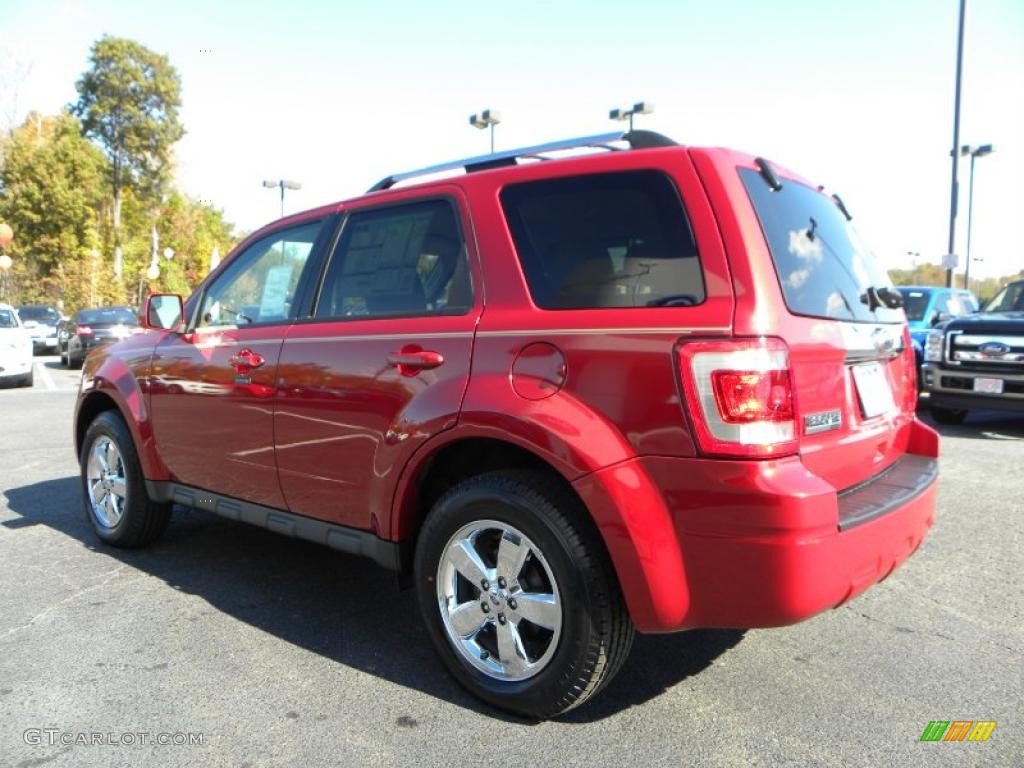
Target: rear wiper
{"type": "Point", "coordinates": [883, 296]}
{"type": "Point", "coordinates": [842, 207]}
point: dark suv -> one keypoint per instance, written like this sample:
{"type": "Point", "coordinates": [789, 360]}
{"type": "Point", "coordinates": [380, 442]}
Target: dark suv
{"type": "Point", "coordinates": [977, 361]}
{"type": "Point", "coordinates": [647, 387]}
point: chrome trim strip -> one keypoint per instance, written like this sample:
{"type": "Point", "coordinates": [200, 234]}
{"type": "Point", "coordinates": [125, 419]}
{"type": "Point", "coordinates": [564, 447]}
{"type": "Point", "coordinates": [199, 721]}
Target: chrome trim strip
{"type": "Point", "coordinates": [975, 340]}
{"type": "Point", "coordinates": [425, 335]}
{"type": "Point", "coordinates": [648, 331]}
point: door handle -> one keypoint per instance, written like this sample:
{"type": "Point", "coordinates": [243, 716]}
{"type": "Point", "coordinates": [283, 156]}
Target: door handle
{"type": "Point", "coordinates": [246, 360]}
{"type": "Point", "coordinates": [409, 362]}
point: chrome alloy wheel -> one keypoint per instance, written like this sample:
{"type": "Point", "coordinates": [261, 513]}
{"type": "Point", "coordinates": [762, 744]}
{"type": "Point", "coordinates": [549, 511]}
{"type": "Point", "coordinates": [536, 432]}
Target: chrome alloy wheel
{"type": "Point", "coordinates": [499, 600]}
{"type": "Point", "coordinates": [106, 483]}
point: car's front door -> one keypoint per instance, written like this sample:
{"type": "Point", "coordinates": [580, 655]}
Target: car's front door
{"type": "Point", "coordinates": [212, 388]}
{"type": "Point", "coordinates": [383, 363]}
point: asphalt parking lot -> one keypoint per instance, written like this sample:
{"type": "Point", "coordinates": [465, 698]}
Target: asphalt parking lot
{"type": "Point", "coordinates": [280, 653]}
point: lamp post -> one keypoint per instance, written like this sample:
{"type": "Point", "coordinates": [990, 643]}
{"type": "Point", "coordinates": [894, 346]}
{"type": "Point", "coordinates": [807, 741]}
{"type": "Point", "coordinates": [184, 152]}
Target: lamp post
{"type": "Point", "coordinates": [94, 256]}
{"type": "Point", "coordinates": [974, 152]}
{"type": "Point", "coordinates": [954, 185]}
{"type": "Point", "coordinates": [6, 236]}
{"type": "Point", "coordinates": [283, 184]}
{"type": "Point", "coordinates": [5, 265]}
{"type": "Point", "coordinates": [626, 113]}
{"type": "Point", "coordinates": [486, 119]}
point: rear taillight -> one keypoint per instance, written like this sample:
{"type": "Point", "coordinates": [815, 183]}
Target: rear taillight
{"type": "Point", "coordinates": [740, 393]}
{"type": "Point", "coordinates": [84, 330]}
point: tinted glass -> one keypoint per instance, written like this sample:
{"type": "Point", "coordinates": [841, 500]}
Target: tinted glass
{"type": "Point", "coordinates": [823, 266]}
{"type": "Point", "coordinates": [402, 260]}
{"type": "Point", "coordinates": [915, 303]}
{"type": "Point", "coordinates": [7, 319]}
{"type": "Point", "coordinates": [1010, 299]}
{"type": "Point", "coordinates": [46, 315]}
{"type": "Point", "coordinates": [259, 285]}
{"type": "Point", "coordinates": [604, 240]}
{"type": "Point", "coordinates": [109, 315]}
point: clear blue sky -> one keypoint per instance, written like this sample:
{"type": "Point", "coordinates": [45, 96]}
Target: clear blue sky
{"type": "Point", "coordinates": [857, 96]}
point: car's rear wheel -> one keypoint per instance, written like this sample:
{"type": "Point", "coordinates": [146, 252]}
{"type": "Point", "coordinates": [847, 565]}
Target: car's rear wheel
{"type": "Point", "coordinates": [948, 416]}
{"type": "Point", "coordinates": [113, 488]}
{"type": "Point", "coordinates": [519, 595]}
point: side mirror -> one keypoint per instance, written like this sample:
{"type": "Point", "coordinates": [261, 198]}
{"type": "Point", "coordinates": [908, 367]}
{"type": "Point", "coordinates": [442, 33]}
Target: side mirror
{"type": "Point", "coordinates": [941, 317]}
{"type": "Point", "coordinates": [163, 312]}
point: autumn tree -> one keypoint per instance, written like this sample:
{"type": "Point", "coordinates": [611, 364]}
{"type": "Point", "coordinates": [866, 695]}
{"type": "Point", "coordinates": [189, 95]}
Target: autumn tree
{"type": "Point", "coordinates": [51, 192]}
{"type": "Point", "coordinates": [128, 101]}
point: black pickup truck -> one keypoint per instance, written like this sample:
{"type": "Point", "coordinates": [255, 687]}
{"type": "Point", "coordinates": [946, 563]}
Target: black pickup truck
{"type": "Point", "coordinates": [977, 361]}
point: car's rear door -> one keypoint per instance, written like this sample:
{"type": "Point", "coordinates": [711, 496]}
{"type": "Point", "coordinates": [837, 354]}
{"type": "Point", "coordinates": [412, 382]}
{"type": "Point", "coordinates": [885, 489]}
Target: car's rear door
{"type": "Point", "coordinates": [212, 388]}
{"type": "Point", "coordinates": [382, 363]}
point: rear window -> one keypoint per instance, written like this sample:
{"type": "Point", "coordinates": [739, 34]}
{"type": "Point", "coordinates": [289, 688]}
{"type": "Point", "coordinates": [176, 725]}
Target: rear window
{"type": "Point", "coordinates": [112, 315]}
{"type": "Point", "coordinates": [604, 240]}
{"type": "Point", "coordinates": [823, 267]}
{"type": "Point", "coordinates": [915, 303]}
{"type": "Point", "coordinates": [46, 315]}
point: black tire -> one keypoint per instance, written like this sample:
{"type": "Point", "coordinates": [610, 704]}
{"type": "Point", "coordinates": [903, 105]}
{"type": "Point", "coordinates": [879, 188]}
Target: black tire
{"type": "Point", "coordinates": [75, 362]}
{"type": "Point", "coordinates": [142, 520]}
{"type": "Point", "coordinates": [64, 358]}
{"type": "Point", "coordinates": [29, 378]}
{"type": "Point", "coordinates": [596, 632]}
{"type": "Point", "coordinates": [948, 416]}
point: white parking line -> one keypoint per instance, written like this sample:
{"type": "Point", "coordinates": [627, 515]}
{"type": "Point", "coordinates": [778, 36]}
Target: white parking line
{"type": "Point", "coordinates": [45, 375]}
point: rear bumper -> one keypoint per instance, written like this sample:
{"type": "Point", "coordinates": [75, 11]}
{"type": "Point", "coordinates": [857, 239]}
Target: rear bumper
{"type": "Point", "coordinates": [758, 543]}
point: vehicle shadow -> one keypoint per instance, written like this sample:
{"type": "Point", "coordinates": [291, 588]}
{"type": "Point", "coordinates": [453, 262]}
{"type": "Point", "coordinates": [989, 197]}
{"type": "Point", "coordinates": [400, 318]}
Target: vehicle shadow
{"type": "Point", "coordinates": [344, 608]}
{"type": "Point", "coordinates": [980, 425]}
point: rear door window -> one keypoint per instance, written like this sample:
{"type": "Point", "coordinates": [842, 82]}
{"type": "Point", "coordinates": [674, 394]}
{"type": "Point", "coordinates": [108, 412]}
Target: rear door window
{"type": "Point", "coordinates": [604, 240]}
{"type": "Point", "coordinates": [823, 266]}
{"type": "Point", "coordinates": [403, 260]}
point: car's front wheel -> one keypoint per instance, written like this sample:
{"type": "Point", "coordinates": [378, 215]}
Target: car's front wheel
{"type": "Point", "coordinates": [113, 487]}
{"type": "Point", "coordinates": [519, 595]}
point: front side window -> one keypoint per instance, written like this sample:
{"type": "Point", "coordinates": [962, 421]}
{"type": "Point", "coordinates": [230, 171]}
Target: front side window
{"type": "Point", "coordinates": [259, 285]}
{"type": "Point", "coordinates": [404, 260]}
{"type": "Point", "coordinates": [604, 240]}
{"type": "Point", "coordinates": [7, 319]}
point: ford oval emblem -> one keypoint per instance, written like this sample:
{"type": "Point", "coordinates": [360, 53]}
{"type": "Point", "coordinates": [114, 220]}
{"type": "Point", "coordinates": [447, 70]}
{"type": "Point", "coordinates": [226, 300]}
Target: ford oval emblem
{"type": "Point", "coordinates": [993, 349]}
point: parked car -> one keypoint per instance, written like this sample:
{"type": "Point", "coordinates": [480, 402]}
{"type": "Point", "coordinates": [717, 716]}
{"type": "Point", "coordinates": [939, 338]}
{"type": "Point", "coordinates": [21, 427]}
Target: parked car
{"type": "Point", "coordinates": [977, 361]}
{"type": "Point", "coordinates": [16, 364]}
{"type": "Point", "coordinates": [689, 402]}
{"type": "Point", "coordinates": [41, 322]}
{"type": "Point", "coordinates": [929, 306]}
{"type": "Point", "coordinates": [91, 328]}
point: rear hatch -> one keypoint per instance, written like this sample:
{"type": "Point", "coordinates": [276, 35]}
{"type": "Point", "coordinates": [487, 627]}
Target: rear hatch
{"type": "Point", "coordinates": [852, 366]}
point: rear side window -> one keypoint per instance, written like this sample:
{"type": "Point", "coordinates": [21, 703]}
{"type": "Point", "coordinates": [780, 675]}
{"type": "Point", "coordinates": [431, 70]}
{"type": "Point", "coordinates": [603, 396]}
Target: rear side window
{"type": "Point", "coordinates": [823, 267]}
{"type": "Point", "coordinates": [400, 260]}
{"type": "Point", "coordinates": [915, 304]}
{"type": "Point", "coordinates": [604, 240]}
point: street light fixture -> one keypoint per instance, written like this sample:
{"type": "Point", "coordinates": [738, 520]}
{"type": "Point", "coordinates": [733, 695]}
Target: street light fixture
{"type": "Point", "coordinates": [974, 152]}
{"type": "Point", "coordinates": [486, 119]}
{"type": "Point", "coordinates": [626, 113]}
{"type": "Point", "coordinates": [283, 184]}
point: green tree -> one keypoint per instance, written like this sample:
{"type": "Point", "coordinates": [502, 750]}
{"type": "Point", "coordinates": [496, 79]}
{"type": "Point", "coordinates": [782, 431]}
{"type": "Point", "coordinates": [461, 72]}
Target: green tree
{"type": "Point", "coordinates": [51, 193]}
{"type": "Point", "coordinates": [128, 101]}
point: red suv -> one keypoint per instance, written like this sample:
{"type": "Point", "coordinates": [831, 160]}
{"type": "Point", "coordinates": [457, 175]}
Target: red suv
{"type": "Point", "coordinates": [645, 387]}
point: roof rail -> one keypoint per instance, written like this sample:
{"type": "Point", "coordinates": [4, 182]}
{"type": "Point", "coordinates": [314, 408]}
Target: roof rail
{"type": "Point", "coordinates": [635, 139]}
